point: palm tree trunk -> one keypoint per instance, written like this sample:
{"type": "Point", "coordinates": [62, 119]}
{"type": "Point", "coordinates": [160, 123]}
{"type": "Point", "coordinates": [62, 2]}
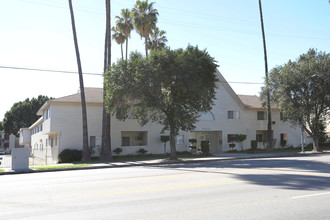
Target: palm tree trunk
{"type": "Point", "coordinates": [106, 154]}
{"type": "Point", "coordinates": [86, 152]}
{"type": "Point", "coordinates": [126, 46]}
{"type": "Point", "coordinates": [122, 53]}
{"type": "Point", "coordinates": [269, 120]}
{"type": "Point", "coordinates": [146, 44]}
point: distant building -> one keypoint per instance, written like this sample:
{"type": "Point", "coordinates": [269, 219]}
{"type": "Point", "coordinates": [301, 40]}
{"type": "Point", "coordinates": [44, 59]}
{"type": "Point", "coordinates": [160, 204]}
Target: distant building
{"type": "Point", "coordinates": [7, 142]}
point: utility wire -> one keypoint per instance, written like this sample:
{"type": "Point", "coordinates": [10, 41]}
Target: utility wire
{"type": "Point", "coordinates": [95, 74]}
{"type": "Point", "coordinates": [47, 70]}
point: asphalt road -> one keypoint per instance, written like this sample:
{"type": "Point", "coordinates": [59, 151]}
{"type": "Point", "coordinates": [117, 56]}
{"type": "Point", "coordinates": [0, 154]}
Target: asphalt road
{"type": "Point", "coordinates": [278, 188]}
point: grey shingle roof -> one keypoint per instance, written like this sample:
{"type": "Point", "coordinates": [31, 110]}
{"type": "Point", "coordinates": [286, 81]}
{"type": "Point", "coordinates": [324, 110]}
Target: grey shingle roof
{"type": "Point", "coordinates": [251, 101]}
{"type": "Point", "coordinates": [92, 95]}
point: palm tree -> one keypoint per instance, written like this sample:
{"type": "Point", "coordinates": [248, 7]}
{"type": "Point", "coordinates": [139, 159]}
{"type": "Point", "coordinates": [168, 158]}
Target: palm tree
{"type": "Point", "coordinates": [119, 38]}
{"type": "Point", "coordinates": [144, 19]}
{"type": "Point", "coordinates": [157, 39]}
{"type": "Point", "coordinates": [269, 120]}
{"type": "Point", "coordinates": [86, 153]}
{"type": "Point", "coordinates": [106, 154]}
{"type": "Point", "coordinates": [124, 25]}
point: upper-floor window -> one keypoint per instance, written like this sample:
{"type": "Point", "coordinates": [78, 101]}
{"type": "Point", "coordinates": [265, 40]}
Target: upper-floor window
{"type": "Point", "coordinates": [207, 116]}
{"type": "Point", "coordinates": [233, 114]}
{"type": "Point", "coordinates": [262, 115]}
{"type": "Point", "coordinates": [47, 114]}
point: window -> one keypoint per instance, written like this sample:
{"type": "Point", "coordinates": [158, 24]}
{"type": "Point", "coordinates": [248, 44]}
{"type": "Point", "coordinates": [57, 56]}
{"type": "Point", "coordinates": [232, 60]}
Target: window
{"type": "Point", "coordinates": [231, 137]}
{"type": "Point", "coordinates": [233, 114]}
{"type": "Point", "coordinates": [262, 115]}
{"type": "Point", "coordinates": [134, 138]}
{"type": "Point", "coordinates": [47, 114]}
{"type": "Point", "coordinates": [95, 145]}
{"type": "Point", "coordinates": [125, 141]}
{"type": "Point", "coordinates": [207, 116]}
{"type": "Point", "coordinates": [259, 138]}
{"type": "Point", "coordinates": [180, 139]}
{"type": "Point", "coordinates": [284, 139]}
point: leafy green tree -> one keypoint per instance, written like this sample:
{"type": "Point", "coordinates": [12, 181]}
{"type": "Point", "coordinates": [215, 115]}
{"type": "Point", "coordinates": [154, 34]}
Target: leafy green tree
{"type": "Point", "coordinates": [144, 19]}
{"type": "Point", "coordinates": [1, 126]}
{"type": "Point", "coordinates": [124, 24]}
{"type": "Point", "coordinates": [157, 39]}
{"type": "Point", "coordinates": [301, 90]}
{"type": "Point", "coordinates": [86, 151]}
{"type": "Point", "coordinates": [22, 114]}
{"type": "Point", "coordinates": [170, 87]}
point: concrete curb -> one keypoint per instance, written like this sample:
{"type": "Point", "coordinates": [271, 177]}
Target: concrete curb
{"type": "Point", "coordinates": [170, 162]}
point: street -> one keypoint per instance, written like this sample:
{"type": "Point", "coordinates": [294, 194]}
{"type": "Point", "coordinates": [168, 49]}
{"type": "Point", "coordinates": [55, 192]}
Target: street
{"type": "Point", "coordinates": [276, 188]}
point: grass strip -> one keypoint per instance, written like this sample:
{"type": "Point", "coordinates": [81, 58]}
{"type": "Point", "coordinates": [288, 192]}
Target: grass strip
{"type": "Point", "coordinates": [60, 166]}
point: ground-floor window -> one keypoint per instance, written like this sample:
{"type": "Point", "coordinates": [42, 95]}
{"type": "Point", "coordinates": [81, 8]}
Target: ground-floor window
{"type": "Point", "coordinates": [180, 139]}
{"type": "Point", "coordinates": [284, 139]}
{"type": "Point", "coordinates": [231, 137]}
{"type": "Point", "coordinates": [261, 135]}
{"type": "Point", "coordinates": [95, 145]}
{"type": "Point", "coordinates": [134, 138]}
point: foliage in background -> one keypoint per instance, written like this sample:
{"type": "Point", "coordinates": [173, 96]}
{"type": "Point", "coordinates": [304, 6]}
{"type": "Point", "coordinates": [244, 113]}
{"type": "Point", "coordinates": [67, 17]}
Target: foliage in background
{"type": "Point", "coordinates": [23, 114]}
{"type": "Point", "coordinates": [170, 87]}
{"type": "Point", "coordinates": [301, 90]}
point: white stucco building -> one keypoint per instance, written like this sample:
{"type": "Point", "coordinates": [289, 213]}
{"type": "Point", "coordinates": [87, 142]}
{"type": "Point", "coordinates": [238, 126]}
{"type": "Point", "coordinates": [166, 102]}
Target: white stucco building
{"type": "Point", "coordinates": [60, 126]}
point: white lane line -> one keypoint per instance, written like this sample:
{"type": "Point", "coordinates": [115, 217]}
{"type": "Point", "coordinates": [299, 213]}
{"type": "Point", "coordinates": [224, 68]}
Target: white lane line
{"type": "Point", "coordinates": [311, 195]}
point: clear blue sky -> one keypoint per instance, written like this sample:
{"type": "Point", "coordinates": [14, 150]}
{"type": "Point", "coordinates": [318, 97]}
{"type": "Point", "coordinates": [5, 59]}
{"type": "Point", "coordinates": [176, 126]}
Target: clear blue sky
{"type": "Point", "coordinates": [37, 34]}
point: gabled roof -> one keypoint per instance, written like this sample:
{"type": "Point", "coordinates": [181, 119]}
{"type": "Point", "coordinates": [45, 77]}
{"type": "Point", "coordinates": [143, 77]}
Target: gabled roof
{"type": "Point", "coordinates": [92, 96]}
{"type": "Point", "coordinates": [251, 101]}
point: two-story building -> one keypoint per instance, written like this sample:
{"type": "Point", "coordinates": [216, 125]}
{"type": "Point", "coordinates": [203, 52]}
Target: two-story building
{"type": "Point", "coordinates": [60, 126]}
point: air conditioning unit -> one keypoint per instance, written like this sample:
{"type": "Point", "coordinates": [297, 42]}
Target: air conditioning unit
{"type": "Point", "coordinates": [273, 122]}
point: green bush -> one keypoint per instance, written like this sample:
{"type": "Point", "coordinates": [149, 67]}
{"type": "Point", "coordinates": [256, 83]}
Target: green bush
{"type": "Point", "coordinates": [142, 151]}
{"type": "Point", "coordinates": [205, 147]}
{"type": "Point", "coordinates": [117, 150]}
{"type": "Point", "coordinates": [254, 145]}
{"type": "Point", "coordinates": [164, 138]}
{"type": "Point", "coordinates": [232, 146]}
{"type": "Point", "coordinates": [69, 156]}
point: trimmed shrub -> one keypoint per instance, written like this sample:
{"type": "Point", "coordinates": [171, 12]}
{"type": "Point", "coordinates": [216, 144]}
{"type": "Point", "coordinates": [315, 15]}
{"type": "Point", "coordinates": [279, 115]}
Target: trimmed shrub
{"type": "Point", "coordinates": [205, 147]}
{"type": "Point", "coordinates": [117, 150]}
{"type": "Point", "coordinates": [141, 151]}
{"type": "Point", "coordinates": [69, 156]}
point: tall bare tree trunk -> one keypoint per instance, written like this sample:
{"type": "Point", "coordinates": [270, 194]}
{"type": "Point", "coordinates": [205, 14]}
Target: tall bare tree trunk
{"type": "Point", "coordinates": [106, 154]}
{"type": "Point", "coordinates": [126, 46]}
{"type": "Point", "coordinates": [86, 152]}
{"type": "Point", "coordinates": [269, 120]}
{"type": "Point", "coordinates": [146, 44]}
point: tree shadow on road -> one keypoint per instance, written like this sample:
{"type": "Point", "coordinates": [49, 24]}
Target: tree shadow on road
{"type": "Point", "coordinates": [286, 173]}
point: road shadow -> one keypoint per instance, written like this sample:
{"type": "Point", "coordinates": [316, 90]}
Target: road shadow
{"type": "Point", "coordinates": [286, 173]}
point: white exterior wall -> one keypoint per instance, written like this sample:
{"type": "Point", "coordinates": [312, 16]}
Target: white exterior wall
{"type": "Point", "coordinates": [67, 121]}
{"type": "Point", "coordinates": [25, 137]}
{"type": "Point", "coordinates": [154, 145]}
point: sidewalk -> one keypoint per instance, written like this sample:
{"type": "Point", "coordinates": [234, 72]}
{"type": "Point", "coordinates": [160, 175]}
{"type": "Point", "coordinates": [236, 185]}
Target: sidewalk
{"type": "Point", "coordinates": [218, 157]}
